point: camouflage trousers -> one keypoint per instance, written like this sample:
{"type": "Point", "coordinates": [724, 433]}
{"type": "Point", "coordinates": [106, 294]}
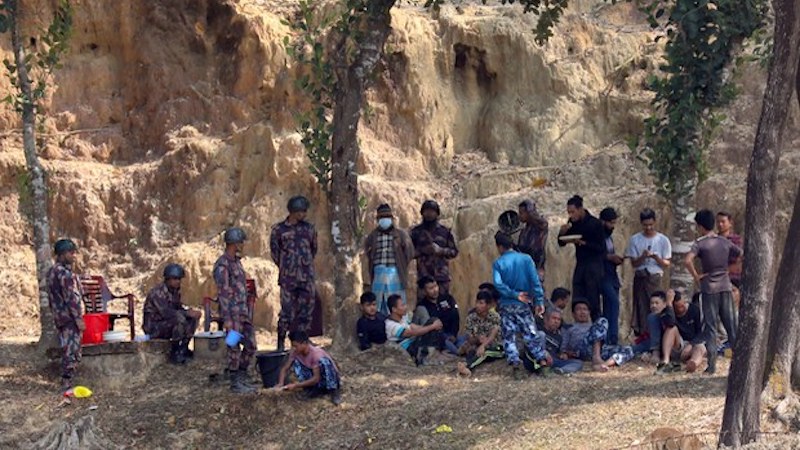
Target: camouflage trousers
{"type": "Point", "coordinates": [182, 327]}
{"type": "Point", "coordinates": [297, 307]}
{"type": "Point", "coordinates": [69, 337]}
{"type": "Point", "coordinates": [241, 354]}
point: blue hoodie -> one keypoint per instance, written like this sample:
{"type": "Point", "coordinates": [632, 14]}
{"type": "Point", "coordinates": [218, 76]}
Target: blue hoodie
{"type": "Point", "coordinates": [513, 273]}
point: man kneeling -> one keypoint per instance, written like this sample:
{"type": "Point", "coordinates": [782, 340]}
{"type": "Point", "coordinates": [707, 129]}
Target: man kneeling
{"type": "Point", "coordinates": [165, 317]}
{"type": "Point", "coordinates": [586, 340]}
{"type": "Point", "coordinates": [313, 367]}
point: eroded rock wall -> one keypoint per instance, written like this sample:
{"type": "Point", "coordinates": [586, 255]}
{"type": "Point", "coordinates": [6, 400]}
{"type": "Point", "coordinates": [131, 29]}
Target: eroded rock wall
{"type": "Point", "coordinates": [171, 121]}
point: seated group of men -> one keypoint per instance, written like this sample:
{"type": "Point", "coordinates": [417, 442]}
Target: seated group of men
{"type": "Point", "coordinates": [431, 335]}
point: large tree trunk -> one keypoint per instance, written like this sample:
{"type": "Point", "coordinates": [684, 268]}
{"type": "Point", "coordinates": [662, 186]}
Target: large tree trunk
{"type": "Point", "coordinates": [37, 184]}
{"type": "Point", "coordinates": [741, 420]}
{"type": "Point", "coordinates": [783, 336]}
{"type": "Point", "coordinates": [344, 212]}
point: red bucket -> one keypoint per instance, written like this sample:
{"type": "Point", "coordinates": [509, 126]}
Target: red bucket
{"type": "Point", "coordinates": [96, 325]}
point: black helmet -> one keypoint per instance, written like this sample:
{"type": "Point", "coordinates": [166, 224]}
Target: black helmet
{"type": "Point", "coordinates": [174, 271]}
{"type": "Point", "coordinates": [430, 204]}
{"type": "Point", "coordinates": [298, 203]}
{"type": "Point", "coordinates": [235, 235]}
{"type": "Point", "coordinates": [64, 245]}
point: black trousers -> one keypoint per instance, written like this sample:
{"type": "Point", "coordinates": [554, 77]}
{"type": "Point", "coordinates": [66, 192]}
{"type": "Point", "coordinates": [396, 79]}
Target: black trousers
{"type": "Point", "coordinates": [586, 283]}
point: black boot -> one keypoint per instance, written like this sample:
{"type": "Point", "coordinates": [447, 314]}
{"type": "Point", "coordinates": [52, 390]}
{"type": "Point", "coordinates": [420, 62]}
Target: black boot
{"type": "Point", "coordinates": [188, 354]}
{"type": "Point", "coordinates": [247, 380]}
{"type": "Point", "coordinates": [176, 355]}
{"type": "Point", "coordinates": [237, 386]}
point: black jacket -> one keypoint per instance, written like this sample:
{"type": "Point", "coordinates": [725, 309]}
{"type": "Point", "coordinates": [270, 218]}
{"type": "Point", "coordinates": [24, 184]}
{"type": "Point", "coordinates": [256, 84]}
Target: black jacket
{"type": "Point", "coordinates": [594, 251]}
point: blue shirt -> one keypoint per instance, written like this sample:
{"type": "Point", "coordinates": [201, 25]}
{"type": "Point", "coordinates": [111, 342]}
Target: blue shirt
{"type": "Point", "coordinates": [515, 272]}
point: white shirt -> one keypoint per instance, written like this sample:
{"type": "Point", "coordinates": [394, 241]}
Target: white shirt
{"type": "Point", "coordinates": [658, 244]}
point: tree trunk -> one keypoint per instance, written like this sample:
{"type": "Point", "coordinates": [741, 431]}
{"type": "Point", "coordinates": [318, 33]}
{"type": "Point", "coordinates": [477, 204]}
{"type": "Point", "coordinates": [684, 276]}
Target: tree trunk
{"type": "Point", "coordinates": [344, 209]}
{"type": "Point", "coordinates": [681, 239]}
{"type": "Point", "coordinates": [783, 336]}
{"type": "Point", "coordinates": [741, 420]}
{"type": "Point", "coordinates": [37, 184]}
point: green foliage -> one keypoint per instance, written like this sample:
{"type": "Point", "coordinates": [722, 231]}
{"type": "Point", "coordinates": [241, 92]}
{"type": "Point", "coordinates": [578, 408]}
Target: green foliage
{"type": "Point", "coordinates": [702, 38]}
{"type": "Point", "coordinates": [314, 33]}
{"type": "Point", "coordinates": [40, 60]}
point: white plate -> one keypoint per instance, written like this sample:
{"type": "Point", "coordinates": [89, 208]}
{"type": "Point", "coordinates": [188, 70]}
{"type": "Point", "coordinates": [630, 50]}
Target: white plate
{"type": "Point", "coordinates": [570, 237]}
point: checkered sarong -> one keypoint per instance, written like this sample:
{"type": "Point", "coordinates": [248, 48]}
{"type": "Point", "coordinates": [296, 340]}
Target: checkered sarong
{"type": "Point", "coordinates": [386, 283]}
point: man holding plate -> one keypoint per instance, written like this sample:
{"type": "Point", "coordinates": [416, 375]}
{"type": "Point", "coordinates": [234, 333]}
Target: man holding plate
{"type": "Point", "coordinates": [586, 232]}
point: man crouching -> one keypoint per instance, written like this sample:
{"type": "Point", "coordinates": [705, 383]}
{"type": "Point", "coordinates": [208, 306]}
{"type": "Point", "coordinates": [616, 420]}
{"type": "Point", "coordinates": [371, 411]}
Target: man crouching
{"type": "Point", "coordinates": [165, 316]}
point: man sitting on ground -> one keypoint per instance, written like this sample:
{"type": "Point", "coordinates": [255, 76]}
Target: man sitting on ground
{"type": "Point", "coordinates": [666, 336]}
{"type": "Point", "coordinates": [586, 340]}
{"type": "Point", "coordinates": [371, 328]}
{"type": "Point", "coordinates": [690, 326]}
{"type": "Point", "coordinates": [417, 340]}
{"type": "Point", "coordinates": [489, 287]}
{"type": "Point", "coordinates": [558, 299]}
{"type": "Point", "coordinates": [165, 316]}
{"type": "Point", "coordinates": [440, 306]}
{"type": "Point", "coordinates": [552, 338]}
{"type": "Point", "coordinates": [483, 330]}
{"type": "Point", "coordinates": [313, 367]}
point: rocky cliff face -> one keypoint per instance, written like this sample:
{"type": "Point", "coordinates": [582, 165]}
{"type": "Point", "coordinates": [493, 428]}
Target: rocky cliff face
{"type": "Point", "coordinates": [170, 122]}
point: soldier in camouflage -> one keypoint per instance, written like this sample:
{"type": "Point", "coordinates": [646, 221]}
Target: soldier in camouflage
{"type": "Point", "coordinates": [165, 316]}
{"type": "Point", "coordinates": [435, 246]}
{"type": "Point", "coordinates": [231, 283]}
{"type": "Point", "coordinates": [64, 295]}
{"type": "Point", "coordinates": [293, 244]}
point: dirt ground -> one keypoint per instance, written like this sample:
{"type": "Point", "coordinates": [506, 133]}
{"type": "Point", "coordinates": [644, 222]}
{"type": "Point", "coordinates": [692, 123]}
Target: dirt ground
{"type": "Point", "coordinates": [388, 403]}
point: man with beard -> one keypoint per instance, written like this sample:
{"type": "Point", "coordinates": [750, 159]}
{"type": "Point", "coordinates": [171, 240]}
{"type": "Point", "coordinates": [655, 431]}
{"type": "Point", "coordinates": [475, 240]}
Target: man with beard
{"type": "Point", "coordinates": [434, 246]}
{"type": "Point", "coordinates": [610, 285]}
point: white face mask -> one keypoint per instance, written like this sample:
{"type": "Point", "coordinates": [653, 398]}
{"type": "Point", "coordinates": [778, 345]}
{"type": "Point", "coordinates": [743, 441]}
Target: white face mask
{"type": "Point", "coordinates": [385, 223]}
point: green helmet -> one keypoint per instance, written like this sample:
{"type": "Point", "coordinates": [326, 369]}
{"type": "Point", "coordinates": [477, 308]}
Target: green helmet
{"type": "Point", "coordinates": [235, 235]}
{"type": "Point", "coordinates": [63, 246]}
{"type": "Point", "coordinates": [174, 271]}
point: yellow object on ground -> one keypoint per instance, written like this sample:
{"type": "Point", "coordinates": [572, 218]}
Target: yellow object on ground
{"type": "Point", "coordinates": [443, 429]}
{"type": "Point", "coordinates": [81, 392]}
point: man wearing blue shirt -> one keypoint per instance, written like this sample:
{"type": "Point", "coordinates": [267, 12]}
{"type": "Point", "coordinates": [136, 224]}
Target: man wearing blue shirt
{"type": "Point", "coordinates": [516, 279]}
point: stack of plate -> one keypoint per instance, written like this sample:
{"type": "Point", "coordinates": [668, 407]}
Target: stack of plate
{"type": "Point", "coordinates": [114, 336]}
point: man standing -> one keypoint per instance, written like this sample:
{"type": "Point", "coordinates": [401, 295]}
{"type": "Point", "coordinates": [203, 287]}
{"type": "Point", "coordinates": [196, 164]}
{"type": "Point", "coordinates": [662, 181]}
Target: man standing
{"type": "Point", "coordinates": [293, 244]}
{"type": "Point", "coordinates": [165, 316]}
{"type": "Point", "coordinates": [650, 253]}
{"type": "Point", "coordinates": [533, 237]}
{"type": "Point", "coordinates": [590, 252]}
{"type": "Point", "coordinates": [434, 246]}
{"type": "Point", "coordinates": [231, 283]}
{"type": "Point", "coordinates": [725, 229]}
{"type": "Point", "coordinates": [515, 277]}
{"type": "Point", "coordinates": [610, 285]}
{"type": "Point", "coordinates": [389, 250]}
{"type": "Point", "coordinates": [714, 252]}
{"type": "Point", "coordinates": [64, 295]}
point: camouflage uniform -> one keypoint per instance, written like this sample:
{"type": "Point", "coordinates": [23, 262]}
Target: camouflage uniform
{"type": "Point", "coordinates": [64, 295]}
{"type": "Point", "coordinates": [165, 316]}
{"type": "Point", "coordinates": [533, 238]}
{"type": "Point", "coordinates": [293, 249]}
{"type": "Point", "coordinates": [232, 294]}
{"type": "Point", "coordinates": [428, 263]}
